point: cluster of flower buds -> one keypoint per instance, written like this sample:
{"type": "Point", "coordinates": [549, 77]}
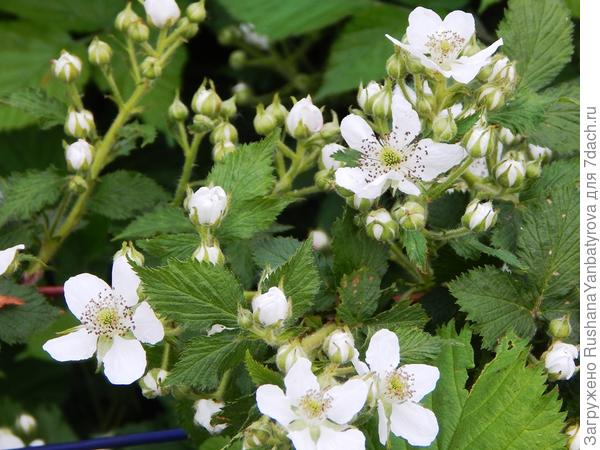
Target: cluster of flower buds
{"type": "Point", "coordinates": [381, 225]}
{"type": "Point", "coordinates": [270, 117]}
{"type": "Point", "coordinates": [375, 99]}
{"type": "Point", "coordinates": [224, 137]}
{"type": "Point", "coordinates": [479, 216]}
{"type": "Point", "coordinates": [410, 215]}
{"type": "Point", "coordinates": [500, 79]}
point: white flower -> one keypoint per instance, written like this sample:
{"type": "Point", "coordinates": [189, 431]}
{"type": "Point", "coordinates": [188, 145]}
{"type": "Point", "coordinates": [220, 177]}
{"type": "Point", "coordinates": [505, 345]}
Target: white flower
{"type": "Point", "coordinates": [205, 410]}
{"type": "Point", "coordinates": [320, 240]}
{"type": "Point", "coordinates": [304, 119]}
{"type": "Point", "coordinates": [79, 155]}
{"type": "Point", "coordinates": [113, 324]}
{"type": "Point", "coordinates": [9, 440]}
{"type": "Point", "coordinates": [79, 124]}
{"type": "Point", "coordinates": [366, 93]}
{"type": "Point", "coordinates": [207, 205]}
{"type": "Point", "coordinates": [315, 418]}
{"type": "Point", "coordinates": [326, 156]}
{"type": "Point", "coordinates": [7, 256]}
{"type": "Point", "coordinates": [539, 152]}
{"type": "Point", "coordinates": [67, 67]}
{"type": "Point", "coordinates": [152, 383]}
{"type": "Point", "coordinates": [559, 360]}
{"type": "Point", "coordinates": [339, 347]}
{"type": "Point", "coordinates": [397, 391]}
{"type": "Point", "coordinates": [271, 307]}
{"type": "Point", "coordinates": [398, 157]}
{"type": "Point", "coordinates": [162, 13]}
{"type": "Point", "coordinates": [210, 254]}
{"type": "Point", "coordinates": [250, 36]}
{"type": "Point", "coordinates": [25, 423]}
{"type": "Point", "coordinates": [438, 44]}
{"type": "Point", "coordinates": [479, 216]}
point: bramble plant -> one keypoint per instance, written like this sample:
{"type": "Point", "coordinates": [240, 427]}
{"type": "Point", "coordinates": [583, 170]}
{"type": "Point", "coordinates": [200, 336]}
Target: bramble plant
{"type": "Point", "coordinates": [438, 310]}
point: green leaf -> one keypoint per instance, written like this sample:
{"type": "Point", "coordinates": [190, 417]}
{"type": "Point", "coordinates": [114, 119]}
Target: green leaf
{"type": "Point", "coordinates": [361, 50]}
{"type": "Point", "coordinates": [261, 374]}
{"type": "Point", "coordinates": [18, 322]}
{"type": "Point", "coordinates": [415, 244]}
{"type": "Point", "coordinates": [123, 195]}
{"type": "Point", "coordinates": [548, 243]}
{"type": "Point", "coordinates": [555, 176]}
{"type": "Point", "coordinates": [180, 246]}
{"type": "Point", "coordinates": [538, 35]}
{"type": "Point", "coordinates": [348, 156]}
{"type": "Point", "coordinates": [353, 249]}
{"type": "Point", "coordinates": [246, 218]}
{"type": "Point", "coordinates": [130, 134]}
{"type": "Point", "coordinates": [299, 279]}
{"type": "Point", "coordinates": [273, 252]}
{"type": "Point", "coordinates": [470, 247]}
{"type": "Point", "coordinates": [485, 4]}
{"type": "Point", "coordinates": [523, 112]}
{"type": "Point", "coordinates": [162, 219]}
{"type": "Point", "coordinates": [35, 102]}
{"type": "Point", "coordinates": [280, 20]}
{"type": "Point", "coordinates": [417, 346]}
{"type": "Point", "coordinates": [195, 295]}
{"type": "Point", "coordinates": [496, 302]}
{"type": "Point", "coordinates": [359, 294]}
{"type": "Point", "coordinates": [402, 313]}
{"type": "Point", "coordinates": [205, 358]}
{"type": "Point", "coordinates": [28, 193]}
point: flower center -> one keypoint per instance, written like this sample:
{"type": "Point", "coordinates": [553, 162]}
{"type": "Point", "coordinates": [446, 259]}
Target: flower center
{"type": "Point", "coordinates": [444, 46]}
{"type": "Point", "coordinates": [399, 385]}
{"type": "Point", "coordinates": [107, 315]}
{"type": "Point", "coordinates": [314, 405]}
{"type": "Point", "coordinates": [390, 157]}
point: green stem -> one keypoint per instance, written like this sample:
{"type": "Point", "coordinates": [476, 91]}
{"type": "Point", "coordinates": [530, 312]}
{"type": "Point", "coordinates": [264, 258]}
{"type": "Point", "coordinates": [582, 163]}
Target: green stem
{"type": "Point", "coordinates": [133, 61]}
{"type": "Point", "coordinates": [402, 260]}
{"type": "Point", "coordinates": [303, 192]}
{"type": "Point", "coordinates": [446, 234]}
{"type": "Point", "coordinates": [74, 96]}
{"type": "Point", "coordinates": [188, 166]}
{"type": "Point", "coordinates": [220, 392]}
{"type": "Point", "coordinates": [285, 182]}
{"type": "Point", "coordinates": [314, 341]}
{"type": "Point", "coordinates": [114, 89]}
{"type": "Point", "coordinates": [439, 189]}
{"type": "Point", "coordinates": [165, 356]}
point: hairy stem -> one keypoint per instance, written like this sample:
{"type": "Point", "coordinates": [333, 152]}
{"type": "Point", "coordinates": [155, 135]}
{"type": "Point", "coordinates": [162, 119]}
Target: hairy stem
{"type": "Point", "coordinates": [188, 165]}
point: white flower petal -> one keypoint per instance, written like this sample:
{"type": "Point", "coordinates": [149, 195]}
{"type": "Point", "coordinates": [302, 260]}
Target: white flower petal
{"type": "Point", "coordinates": [7, 256]}
{"type": "Point", "coordinates": [299, 380]}
{"type": "Point", "coordinates": [406, 186]}
{"type": "Point", "coordinates": [466, 68]}
{"type": "Point", "coordinates": [125, 361]}
{"type": "Point", "coordinates": [125, 281]}
{"type": "Point", "coordinates": [82, 288]}
{"type": "Point", "coordinates": [351, 439]}
{"type": "Point", "coordinates": [405, 121]}
{"type": "Point", "coordinates": [358, 134]}
{"type": "Point", "coordinates": [302, 440]}
{"type": "Point", "coordinates": [327, 156]}
{"type": "Point", "coordinates": [272, 402]}
{"type": "Point", "coordinates": [383, 423]}
{"type": "Point", "coordinates": [430, 159]}
{"type": "Point", "coordinates": [9, 440]}
{"type": "Point", "coordinates": [383, 354]}
{"type": "Point", "coordinates": [461, 23]}
{"type": "Point", "coordinates": [205, 410]}
{"type": "Point", "coordinates": [422, 23]}
{"type": "Point", "coordinates": [75, 346]}
{"type": "Point", "coordinates": [148, 328]}
{"type": "Point", "coordinates": [414, 423]}
{"type": "Point", "coordinates": [346, 400]}
{"type": "Point", "coordinates": [424, 378]}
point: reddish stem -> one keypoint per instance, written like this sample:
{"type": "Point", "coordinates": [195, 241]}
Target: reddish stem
{"type": "Point", "coordinates": [51, 291]}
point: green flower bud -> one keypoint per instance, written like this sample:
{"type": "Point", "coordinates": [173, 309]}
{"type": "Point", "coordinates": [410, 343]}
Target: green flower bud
{"type": "Point", "coordinates": [560, 328]}
{"type": "Point", "coordinates": [331, 130]}
{"type": "Point", "coordinates": [544, 154]}
{"type": "Point", "coordinates": [138, 31]}
{"type": "Point", "coordinates": [224, 131]}
{"type": "Point", "coordinates": [288, 354]}
{"type": "Point", "coordinates": [188, 29]}
{"type": "Point", "coordinates": [444, 127]}
{"type": "Point", "coordinates": [67, 67]}
{"type": "Point", "coordinates": [99, 52]}
{"type": "Point", "coordinates": [79, 124]}
{"type": "Point", "coordinates": [207, 101]}
{"type": "Point", "coordinates": [424, 107]}
{"type": "Point", "coordinates": [245, 318]}
{"type": "Point", "coordinates": [196, 12]}
{"type": "Point", "coordinates": [360, 203]}
{"type": "Point", "coordinates": [209, 254]}
{"type": "Point", "coordinates": [480, 140]}
{"type": "Point", "coordinates": [227, 35]}
{"type": "Point", "coordinates": [507, 137]}
{"type": "Point", "coordinates": [471, 48]}
{"type": "Point", "coordinates": [178, 112]}
{"type": "Point", "coordinates": [265, 434]}
{"type": "Point", "coordinates": [202, 124]}
{"type": "Point", "coordinates": [77, 184]}
{"type": "Point", "coordinates": [129, 252]}
{"type": "Point", "coordinates": [277, 110]}
{"type": "Point", "coordinates": [152, 383]}
{"type": "Point", "coordinates": [395, 66]}
{"type": "Point", "coordinates": [365, 95]}
{"type": "Point", "coordinates": [503, 73]}
{"type": "Point", "coordinates": [492, 97]}
{"type": "Point", "coordinates": [264, 122]}
{"type": "Point", "coordinates": [324, 179]}
{"type": "Point", "coordinates": [151, 67]}
{"type": "Point", "coordinates": [125, 18]}
{"type": "Point", "coordinates": [339, 346]}
{"type": "Point", "coordinates": [222, 149]}
{"type": "Point", "coordinates": [410, 215]}
{"type": "Point", "coordinates": [510, 173]}
{"type": "Point", "coordinates": [381, 226]}
{"type": "Point", "coordinates": [229, 108]}
{"type": "Point", "coordinates": [533, 169]}
{"type": "Point", "coordinates": [380, 104]}
{"type": "Point", "coordinates": [237, 59]}
{"type": "Point", "coordinates": [479, 216]}
{"type": "Point", "coordinates": [242, 93]}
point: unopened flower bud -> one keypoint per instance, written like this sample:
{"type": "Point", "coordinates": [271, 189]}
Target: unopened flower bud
{"type": "Point", "coordinates": [224, 132]}
{"type": "Point", "coordinates": [151, 67]}
{"type": "Point", "coordinates": [362, 204]}
{"type": "Point", "coordinates": [277, 110]}
{"type": "Point", "coordinates": [365, 95]}
{"type": "Point", "coordinates": [410, 215]}
{"type": "Point", "coordinates": [510, 173]}
{"type": "Point", "coordinates": [207, 205]}
{"type": "Point", "coordinates": [178, 112]}
{"type": "Point", "coordinates": [271, 308]}
{"type": "Point", "coordinates": [9, 262]}
{"type": "Point", "coordinates": [26, 424]}
{"type": "Point", "coordinates": [265, 434]}
{"type": "Point", "coordinates": [380, 104]}
{"type": "Point", "coordinates": [471, 48]}
{"type": "Point", "coordinates": [288, 355]}
{"type": "Point", "coordinates": [237, 59]}
{"type": "Point", "coordinates": [479, 216]}
{"type": "Point", "coordinates": [424, 107]}
{"type": "Point", "coordinates": [395, 66]}
{"type": "Point", "coordinates": [206, 102]}
{"type": "Point", "coordinates": [125, 18]}
{"type": "Point", "coordinates": [304, 119]}
{"type": "Point", "coordinates": [560, 328]}
{"type": "Point", "coordinates": [222, 149]}
{"type": "Point", "coordinates": [202, 124]}
{"type": "Point", "coordinates": [559, 361]}
{"type": "Point", "coordinates": [544, 154]}
{"type": "Point", "coordinates": [77, 184]}
{"type": "Point", "coordinates": [67, 67]}
{"type": "Point", "coordinates": [504, 73]}
{"type": "Point", "coordinates": [152, 383]}
{"type": "Point", "coordinates": [245, 318]}
{"type": "Point", "coordinates": [242, 93]}
{"type": "Point", "coordinates": [381, 226]}
{"type": "Point", "coordinates": [533, 169]}
{"type": "Point", "coordinates": [99, 52]}
{"type": "Point", "coordinates": [196, 12]}
{"type": "Point", "coordinates": [320, 240]}
{"type": "Point", "coordinates": [188, 28]}
{"type": "Point", "coordinates": [264, 122]}
{"type": "Point", "coordinates": [138, 31]}
{"type": "Point", "coordinates": [162, 13]}
{"type": "Point", "coordinates": [491, 96]}
{"type": "Point", "coordinates": [228, 35]}
{"type": "Point", "coordinates": [129, 253]}
{"type": "Point", "coordinates": [480, 140]}
{"type": "Point", "coordinates": [506, 136]}
{"type": "Point", "coordinates": [209, 254]}
{"type": "Point", "coordinates": [444, 127]}
{"type": "Point", "coordinates": [79, 124]}
{"type": "Point", "coordinates": [327, 160]}
{"type": "Point", "coordinates": [229, 108]}
{"type": "Point", "coordinates": [325, 180]}
{"type": "Point", "coordinates": [331, 130]}
{"type": "Point", "coordinates": [339, 346]}
{"type": "Point", "coordinates": [79, 155]}
{"type": "Point", "coordinates": [574, 440]}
